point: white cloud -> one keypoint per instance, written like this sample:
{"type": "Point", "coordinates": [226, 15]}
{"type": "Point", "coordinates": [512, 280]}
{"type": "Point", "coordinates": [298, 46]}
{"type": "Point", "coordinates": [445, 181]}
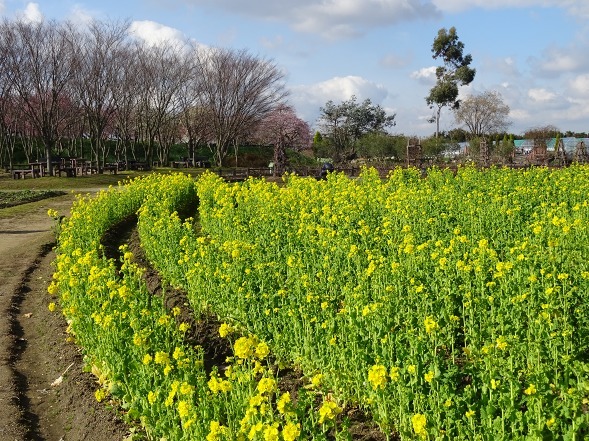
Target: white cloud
{"type": "Point", "coordinates": [578, 8]}
{"type": "Point", "coordinates": [580, 85]}
{"type": "Point", "coordinates": [520, 115]}
{"type": "Point", "coordinates": [425, 75]}
{"type": "Point", "coordinates": [461, 5]}
{"type": "Point", "coordinates": [346, 18]}
{"type": "Point", "coordinates": [507, 66]}
{"type": "Point", "coordinates": [154, 34]}
{"type": "Point", "coordinates": [308, 99]}
{"type": "Point", "coordinates": [80, 16]}
{"type": "Point", "coordinates": [342, 88]}
{"type": "Point", "coordinates": [331, 18]}
{"type": "Point", "coordinates": [272, 43]}
{"type": "Point", "coordinates": [2, 7]}
{"type": "Point", "coordinates": [395, 61]}
{"type": "Point", "coordinates": [558, 61]}
{"type": "Point", "coordinates": [31, 13]}
{"type": "Point", "coordinates": [541, 95]}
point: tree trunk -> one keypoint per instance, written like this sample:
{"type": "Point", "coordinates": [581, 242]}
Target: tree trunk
{"type": "Point", "coordinates": [48, 149]}
{"type": "Point", "coordinates": [280, 159]}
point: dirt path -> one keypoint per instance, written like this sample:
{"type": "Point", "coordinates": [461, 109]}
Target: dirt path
{"type": "Point", "coordinates": [33, 347]}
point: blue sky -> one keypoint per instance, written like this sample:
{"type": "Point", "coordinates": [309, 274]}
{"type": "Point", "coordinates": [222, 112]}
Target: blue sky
{"type": "Point", "coordinates": [535, 53]}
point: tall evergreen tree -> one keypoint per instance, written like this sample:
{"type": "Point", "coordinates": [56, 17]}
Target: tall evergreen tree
{"type": "Point", "coordinates": [454, 72]}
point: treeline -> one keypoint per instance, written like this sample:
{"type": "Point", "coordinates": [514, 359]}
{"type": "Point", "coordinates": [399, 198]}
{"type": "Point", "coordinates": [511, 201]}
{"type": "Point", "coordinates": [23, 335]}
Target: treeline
{"type": "Point", "coordinates": [63, 88]}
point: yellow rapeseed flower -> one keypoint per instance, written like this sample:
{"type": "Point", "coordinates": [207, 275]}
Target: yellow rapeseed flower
{"type": "Point", "coordinates": [291, 431]}
{"type": "Point", "coordinates": [214, 384]}
{"type": "Point", "coordinates": [266, 385]}
{"type": "Point", "coordinates": [244, 347]}
{"type": "Point", "coordinates": [429, 376]}
{"type": "Point", "coordinates": [225, 330]}
{"type": "Point", "coordinates": [419, 423]}
{"type": "Point", "coordinates": [501, 343]}
{"type": "Point", "coordinates": [316, 380]}
{"type": "Point", "coordinates": [262, 350]}
{"type": "Point", "coordinates": [178, 353]}
{"type": "Point", "coordinates": [258, 427]}
{"type": "Point", "coordinates": [328, 411]}
{"type": "Point", "coordinates": [216, 430]}
{"type": "Point", "coordinates": [394, 374]}
{"type": "Point", "coordinates": [530, 390]}
{"type": "Point", "coordinates": [282, 402]}
{"type": "Point", "coordinates": [52, 288]}
{"type": "Point", "coordinates": [100, 395]}
{"type": "Point", "coordinates": [430, 324]}
{"type": "Point", "coordinates": [162, 358]}
{"type": "Point", "coordinates": [137, 339]}
{"type": "Point", "coordinates": [183, 408]}
{"type": "Point", "coordinates": [256, 401]}
{"type": "Point", "coordinates": [271, 432]}
{"type": "Point", "coordinates": [377, 376]}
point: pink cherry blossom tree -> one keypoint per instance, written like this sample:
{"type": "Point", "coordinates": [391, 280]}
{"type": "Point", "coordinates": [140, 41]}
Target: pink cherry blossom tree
{"type": "Point", "coordinates": [283, 129]}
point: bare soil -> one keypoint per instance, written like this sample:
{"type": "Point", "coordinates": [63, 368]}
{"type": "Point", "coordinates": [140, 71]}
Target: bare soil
{"type": "Point", "coordinates": [33, 347]}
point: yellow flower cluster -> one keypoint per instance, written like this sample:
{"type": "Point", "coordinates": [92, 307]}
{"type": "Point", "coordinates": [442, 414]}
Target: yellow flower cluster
{"type": "Point", "coordinates": [377, 376]}
{"type": "Point", "coordinates": [217, 385]}
{"type": "Point", "coordinates": [430, 324]}
{"type": "Point", "coordinates": [250, 347]}
{"type": "Point", "coordinates": [419, 423]}
{"type": "Point", "coordinates": [217, 431]}
{"type": "Point", "coordinates": [329, 410]}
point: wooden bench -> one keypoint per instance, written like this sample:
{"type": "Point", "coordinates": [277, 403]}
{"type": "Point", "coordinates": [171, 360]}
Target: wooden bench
{"type": "Point", "coordinates": [70, 172]}
{"type": "Point", "coordinates": [137, 166]}
{"type": "Point", "coordinates": [112, 168]}
{"type": "Point", "coordinates": [22, 173]}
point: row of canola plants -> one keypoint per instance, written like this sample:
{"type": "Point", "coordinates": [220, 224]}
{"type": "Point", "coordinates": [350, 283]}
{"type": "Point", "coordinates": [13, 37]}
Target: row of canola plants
{"type": "Point", "coordinates": [450, 307]}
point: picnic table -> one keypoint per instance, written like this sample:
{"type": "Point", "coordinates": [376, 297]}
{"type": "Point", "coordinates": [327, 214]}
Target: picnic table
{"type": "Point", "coordinates": [32, 169]}
{"type": "Point", "coordinates": [181, 164]}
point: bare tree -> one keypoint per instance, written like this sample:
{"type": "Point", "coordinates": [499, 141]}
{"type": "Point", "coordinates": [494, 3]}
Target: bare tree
{"type": "Point", "coordinates": [126, 101]}
{"type": "Point", "coordinates": [239, 90]}
{"type": "Point", "coordinates": [540, 137]}
{"type": "Point", "coordinates": [168, 134]}
{"type": "Point", "coordinates": [196, 120]}
{"type": "Point", "coordinates": [483, 114]}
{"type": "Point", "coordinates": [541, 134]}
{"type": "Point", "coordinates": [197, 126]}
{"type": "Point", "coordinates": [12, 127]}
{"type": "Point", "coordinates": [162, 70]}
{"type": "Point", "coordinates": [6, 105]}
{"type": "Point", "coordinates": [41, 59]}
{"type": "Point", "coordinates": [100, 51]}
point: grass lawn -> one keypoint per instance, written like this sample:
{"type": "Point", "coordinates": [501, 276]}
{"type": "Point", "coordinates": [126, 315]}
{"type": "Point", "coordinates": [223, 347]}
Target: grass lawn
{"type": "Point", "coordinates": [82, 182]}
{"type": "Point", "coordinates": [17, 197]}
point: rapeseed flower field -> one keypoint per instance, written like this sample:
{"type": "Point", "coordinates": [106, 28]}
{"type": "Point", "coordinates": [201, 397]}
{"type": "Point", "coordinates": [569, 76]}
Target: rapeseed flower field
{"type": "Point", "coordinates": [448, 307]}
